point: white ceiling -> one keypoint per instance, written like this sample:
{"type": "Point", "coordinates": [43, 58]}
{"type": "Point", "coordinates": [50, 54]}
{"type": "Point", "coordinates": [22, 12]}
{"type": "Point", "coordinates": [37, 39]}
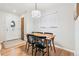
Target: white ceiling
{"type": "Point", "coordinates": [25, 7]}
{"type": "Point", "coordinates": [19, 7]}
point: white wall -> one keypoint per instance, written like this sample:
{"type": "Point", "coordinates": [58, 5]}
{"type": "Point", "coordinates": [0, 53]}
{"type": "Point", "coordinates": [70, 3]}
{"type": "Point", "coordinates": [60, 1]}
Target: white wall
{"type": "Point", "coordinates": [77, 37]}
{"type": "Point", "coordinates": [6, 32]}
{"type": "Point", "coordinates": [28, 22]}
{"type": "Point", "coordinates": [60, 22]}
{"type": "Point", "coordinates": [2, 27]}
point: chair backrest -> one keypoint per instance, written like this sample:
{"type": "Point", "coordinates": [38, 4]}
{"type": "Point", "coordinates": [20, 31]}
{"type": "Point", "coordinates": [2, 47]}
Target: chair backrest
{"type": "Point", "coordinates": [30, 38]}
{"type": "Point", "coordinates": [48, 33]}
{"type": "Point", "coordinates": [38, 32]}
{"type": "Point", "coordinates": [41, 37]}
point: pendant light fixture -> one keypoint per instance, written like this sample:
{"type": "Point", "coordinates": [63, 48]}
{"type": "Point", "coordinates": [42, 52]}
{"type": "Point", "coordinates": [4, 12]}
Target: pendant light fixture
{"type": "Point", "coordinates": [36, 13]}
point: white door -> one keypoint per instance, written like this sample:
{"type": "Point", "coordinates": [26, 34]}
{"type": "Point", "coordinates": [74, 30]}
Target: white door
{"type": "Point", "coordinates": [12, 32]}
{"type": "Point", "coordinates": [77, 37]}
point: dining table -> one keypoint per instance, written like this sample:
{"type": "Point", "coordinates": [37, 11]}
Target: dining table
{"type": "Point", "coordinates": [48, 37]}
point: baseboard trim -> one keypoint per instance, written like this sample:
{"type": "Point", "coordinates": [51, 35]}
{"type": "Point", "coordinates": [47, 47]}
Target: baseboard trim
{"type": "Point", "coordinates": [72, 51]}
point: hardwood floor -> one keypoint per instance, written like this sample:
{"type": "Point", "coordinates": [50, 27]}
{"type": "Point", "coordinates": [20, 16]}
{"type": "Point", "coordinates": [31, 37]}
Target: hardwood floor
{"type": "Point", "coordinates": [20, 51]}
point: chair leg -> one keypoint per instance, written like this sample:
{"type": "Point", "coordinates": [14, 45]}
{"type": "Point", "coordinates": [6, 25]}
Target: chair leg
{"type": "Point", "coordinates": [36, 51]}
{"type": "Point", "coordinates": [51, 46]}
{"type": "Point", "coordinates": [28, 47]}
{"type": "Point", "coordinates": [47, 47]}
{"type": "Point", "coordinates": [54, 47]}
{"type": "Point", "coordinates": [32, 49]}
{"type": "Point", "coordinates": [43, 52]}
{"type": "Point", "coordinates": [48, 50]}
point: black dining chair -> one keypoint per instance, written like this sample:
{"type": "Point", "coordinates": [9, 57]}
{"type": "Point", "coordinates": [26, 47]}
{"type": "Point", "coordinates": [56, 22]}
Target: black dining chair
{"type": "Point", "coordinates": [50, 42]}
{"type": "Point", "coordinates": [30, 42]}
{"type": "Point", "coordinates": [39, 45]}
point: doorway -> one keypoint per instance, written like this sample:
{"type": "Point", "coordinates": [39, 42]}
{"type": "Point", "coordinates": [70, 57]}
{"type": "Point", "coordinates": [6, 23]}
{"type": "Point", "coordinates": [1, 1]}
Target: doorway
{"type": "Point", "coordinates": [22, 28]}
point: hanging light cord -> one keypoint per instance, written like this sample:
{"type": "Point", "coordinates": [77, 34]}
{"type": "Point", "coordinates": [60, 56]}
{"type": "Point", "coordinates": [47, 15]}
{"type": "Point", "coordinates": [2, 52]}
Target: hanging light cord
{"type": "Point", "coordinates": [35, 6]}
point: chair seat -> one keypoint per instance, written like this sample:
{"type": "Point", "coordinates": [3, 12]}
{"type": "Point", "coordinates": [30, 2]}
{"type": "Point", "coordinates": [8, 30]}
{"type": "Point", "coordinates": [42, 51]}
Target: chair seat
{"type": "Point", "coordinates": [49, 42]}
{"type": "Point", "coordinates": [33, 43]}
{"type": "Point", "coordinates": [39, 45]}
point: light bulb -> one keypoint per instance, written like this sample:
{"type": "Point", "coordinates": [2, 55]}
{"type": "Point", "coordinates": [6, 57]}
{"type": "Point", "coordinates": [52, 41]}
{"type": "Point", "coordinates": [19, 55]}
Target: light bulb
{"type": "Point", "coordinates": [36, 14]}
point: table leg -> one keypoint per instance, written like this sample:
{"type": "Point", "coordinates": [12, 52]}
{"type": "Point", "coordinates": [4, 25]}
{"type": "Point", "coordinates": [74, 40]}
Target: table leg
{"type": "Point", "coordinates": [47, 47]}
{"type": "Point", "coordinates": [32, 50]}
